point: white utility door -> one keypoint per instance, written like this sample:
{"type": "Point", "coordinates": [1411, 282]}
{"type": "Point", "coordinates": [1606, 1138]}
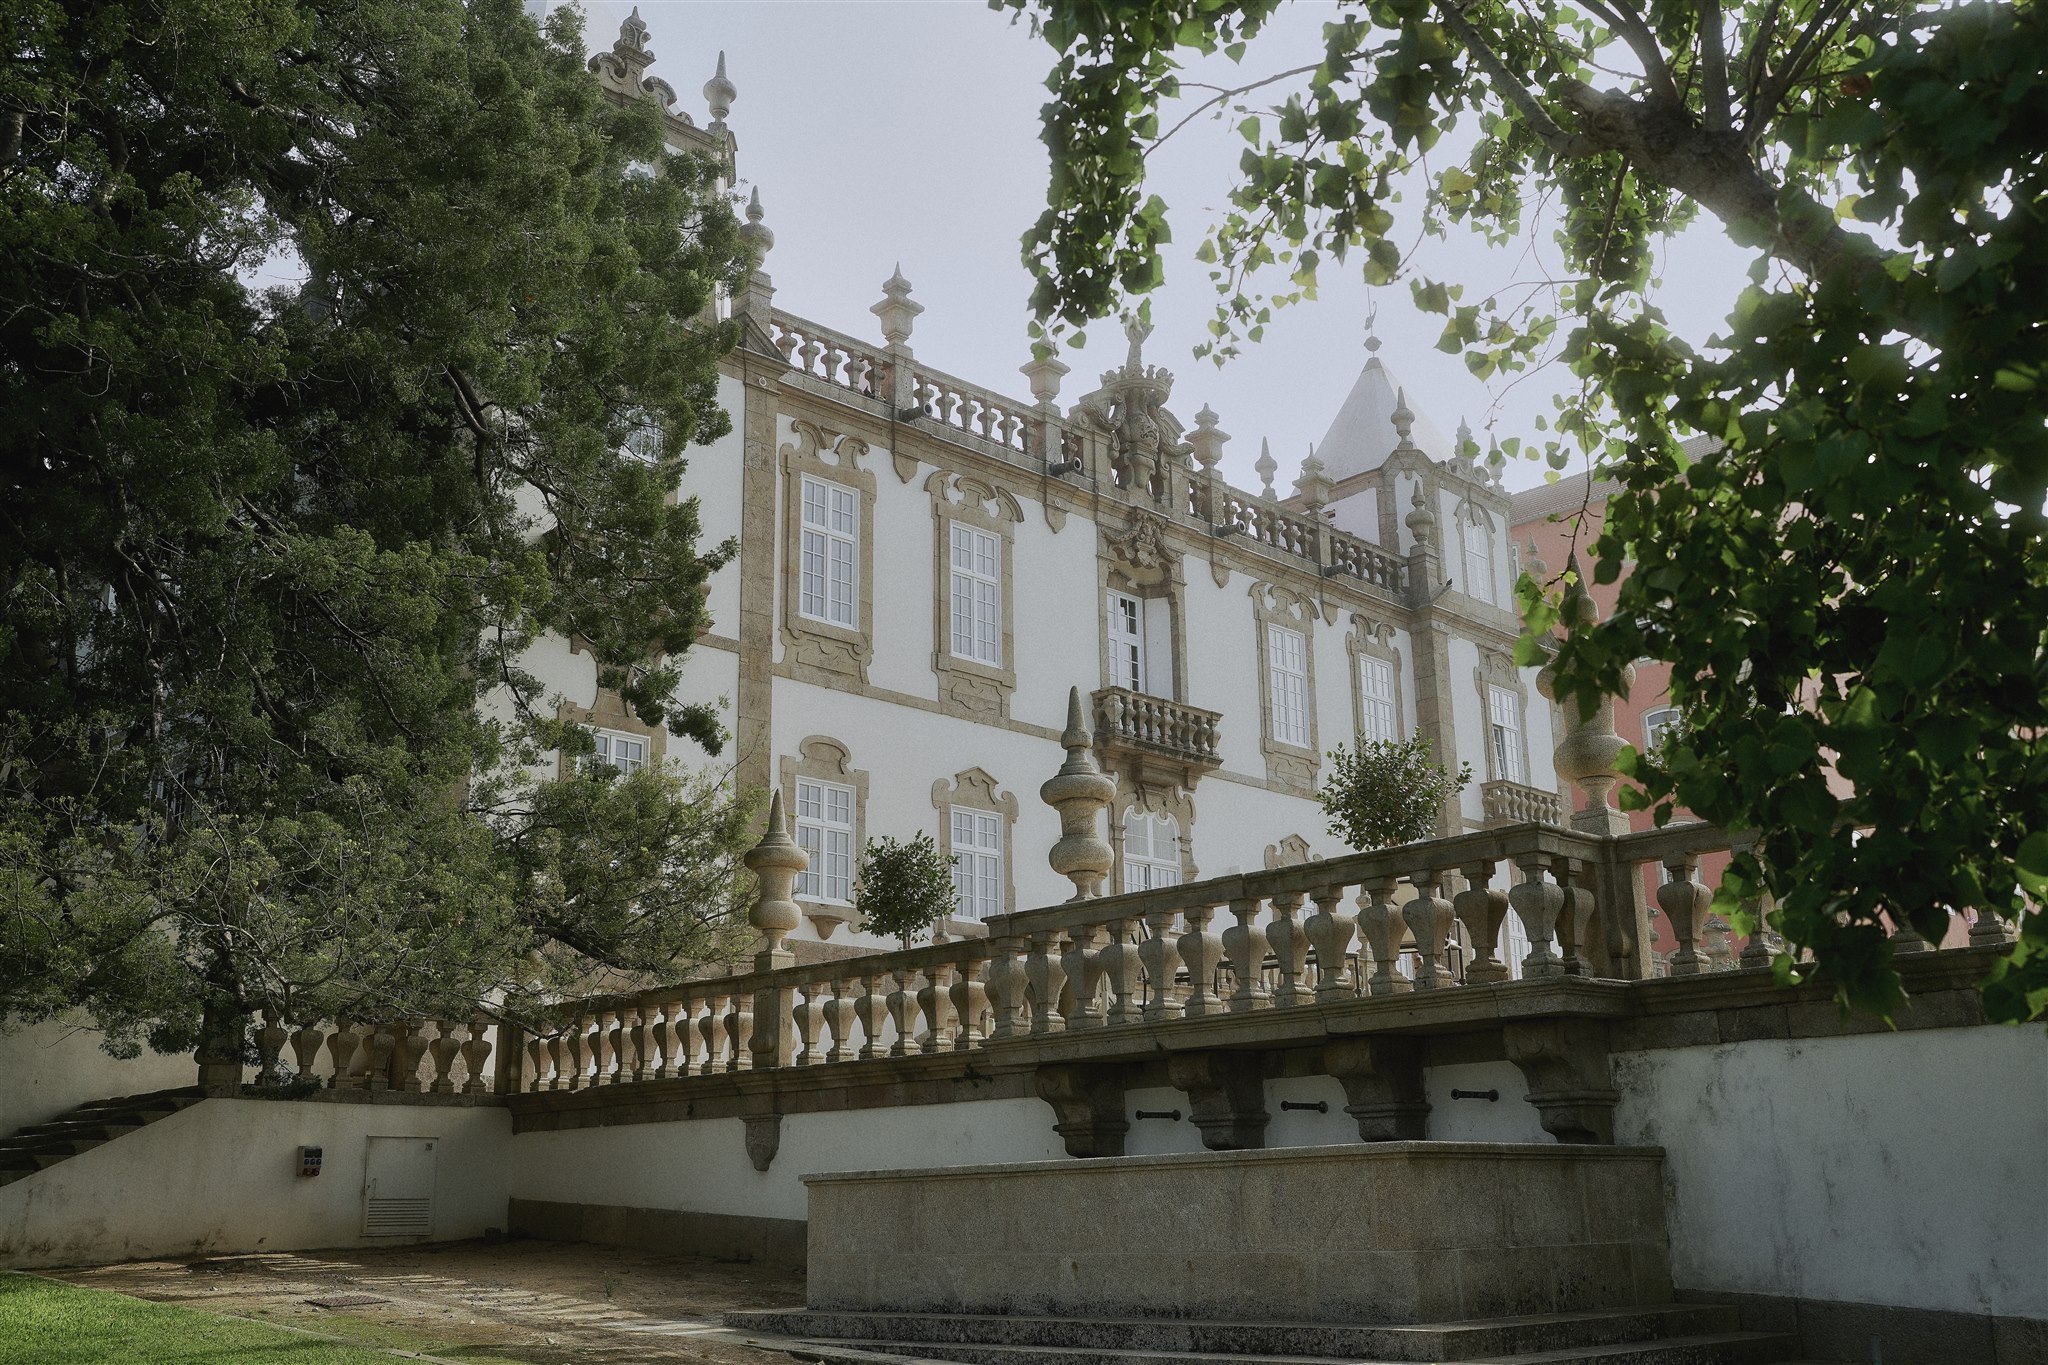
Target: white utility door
{"type": "Point", "coordinates": [398, 1187]}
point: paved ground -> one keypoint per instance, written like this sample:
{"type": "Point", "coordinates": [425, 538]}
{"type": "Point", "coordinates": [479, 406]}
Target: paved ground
{"type": "Point", "coordinates": [476, 1303]}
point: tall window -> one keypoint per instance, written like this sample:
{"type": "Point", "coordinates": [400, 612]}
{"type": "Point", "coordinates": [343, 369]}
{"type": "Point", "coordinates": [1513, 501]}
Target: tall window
{"type": "Point", "coordinates": [1376, 698]}
{"type": "Point", "coordinates": [1126, 642]}
{"type": "Point", "coordinates": [977, 596]}
{"type": "Point", "coordinates": [1478, 558]}
{"type": "Point", "coordinates": [1151, 851]}
{"type": "Point", "coordinates": [978, 869]}
{"type": "Point", "coordinates": [1654, 726]}
{"type": "Point", "coordinates": [1287, 666]}
{"type": "Point", "coordinates": [824, 830]}
{"type": "Point", "coordinates": [1504, 707]}
{"type": "Point", "coordinates": [627, 753]}
{"type": "Point", "coordinates": [831, 530]}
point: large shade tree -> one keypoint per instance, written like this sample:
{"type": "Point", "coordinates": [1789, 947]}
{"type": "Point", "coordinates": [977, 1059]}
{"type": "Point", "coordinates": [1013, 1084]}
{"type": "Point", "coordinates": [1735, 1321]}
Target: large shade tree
{"type": "Point", "coordinates": [1855, 579]}
{"type": "Point", "coordinates": [324, 328]}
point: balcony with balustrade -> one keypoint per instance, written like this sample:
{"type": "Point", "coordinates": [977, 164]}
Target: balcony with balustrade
{"type": "Point", "coordinates": [1517, 803]}
{"type": "Point", "coordinates": [1155, 741]}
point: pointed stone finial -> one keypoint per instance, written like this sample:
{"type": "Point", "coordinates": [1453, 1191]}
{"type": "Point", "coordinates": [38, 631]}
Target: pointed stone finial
{"type": "Point", "coordinates": [775, 863]}
{"type": "Point", "coordinates": [1403, 419]}
{"type": "Point", "coordinates": [1267, 467]}
{"type": "Point", "coordinates": [1467, 447]}
{"type": "Point", "coordinates": [1207, 440]}
{"type": "Point", "coordinates": [1420, 520]}
{"type": "Point", "coordinates": [719, 93]}
{"type": "Point", "coordinates": [755, 232]}
{"type": "Point", "coordinates": [896, 310]}
{"type": "Point", "coordinates": [1079, 792]}
{"type": "Point", "coordinates": [633, 32]}
{"type": "Point", "coordinates": [1314, 485]}
{"type": "Point", "coordinates": [1534, 565]}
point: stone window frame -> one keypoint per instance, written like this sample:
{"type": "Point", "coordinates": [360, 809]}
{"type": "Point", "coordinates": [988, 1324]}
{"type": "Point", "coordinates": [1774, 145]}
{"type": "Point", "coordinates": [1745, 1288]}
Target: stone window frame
{"type": "Point", "coordinates": [1497, 669]}
{"type": "Point", "coordinates": [977, 789]}
{"type": "Point", "coordinates": [968, 686]}
{"type": "Point", "coordinates": [1291, 766]}
{"type": "Point", "coordinates": [1373, 638]}
{"type": "Point", "coordinates": [1144, 800]}
{"type": "Point", "coordinates": [1470, 516]}
{"type": "Point", "coordinates": [809, 643]}
{"type": "Point", "coordinates": [821, 758]}
{"type": "Point", "coordinates": [1140, 561]}
{"type": "Point", "coordinates": [608, 711]}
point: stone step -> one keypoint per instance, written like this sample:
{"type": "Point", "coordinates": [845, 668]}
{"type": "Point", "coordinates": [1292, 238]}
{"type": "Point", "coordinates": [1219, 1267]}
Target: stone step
{"type": "Point", "coordinates": [39, 1146]}
{"type": "Point", "coordinates": [1720, 1348]}
{"type": "Point", "coordinates": [1425, 1341]}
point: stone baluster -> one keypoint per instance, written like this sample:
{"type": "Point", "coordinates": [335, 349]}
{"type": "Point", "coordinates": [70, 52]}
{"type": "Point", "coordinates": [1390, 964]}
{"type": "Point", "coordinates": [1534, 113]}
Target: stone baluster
{"type": "Point", "coordinates": [902, 1014]}
{"type": "Point", "coordinates": [1080, 793]}
{"type": "Point", "coordinates": [642, 1038]}
{"type": "Point", "coordinates": [306, 1048]}
{"type": "Point", "coordinates": [689, 1042]}
{"type": "Point", "coordinates": [935, 1009]}
{"type": "Point", "coordinates": [1006, 988]}
{"type": "Point", "coordinates": [740, 1023]}
{"type": "Point", "coordinates": [1756, 951]}
{"type": "Point", "coordinates": [872, 1010]}
{"type": "Point", "coordinates": [970, 998]}
{"type": "Point", "coordinates": [807, 1014]}
{"type": "Point", "coordinates": [270, 1041]}
{"type": "Point", "coordinates": [1083, 968]}
{"type": "Point", "coordinates": [563, 1048]}
{"type": "Point", "coordinates": [661, 1030]}
{"type": "Point", "coordinates": [1382, 926]}
{"type": "Point", "coordinates": [711, 1028]}
{"type": "Point", "coordinates": [408, 1050]}
{"type": "Point", "coordinates": [840, 1019]}
{"type": "Point", "coordinates": [1537, 902]}
{"type": "Point", "coordinates": [476, 1054]}
{"type": "Point", "coordinates": [601, 1048]}
{"type": "Point", "coordinates": [1428, 917]}
{"type": "Point", "coordinates": [444, 1049]}
{"type": "Point", "coordinates": [540, 1064]}
{"type": "Point", "coordinates": [621, 1039]}
{"type": "Point", "coordinates": [1159, 955]}
{"type": "Point", "coordinates": [1481, 910]}
{"type": "Point", "coordinates": [1245, 946]}
{"type": "Point", "coordinates": [1043, 978]}
{"type": "Point", "coordinates": [381, 1044]}
{"type": "Point", "coordinates": [342, 1045]}
{"type": "Point", "coordinates": [808, 353]}
{"type": "Point", "coordinates": [1119, 961]}
{"type": "Point", "coordinates": [1201, 951]}
{"type": "Point", "coordinates": [1330, 930]}
{"type": "Point", "coordinates": [1684, 899]}
{"type": "Point", "coordinates": [1575, 918]}
{"type": "Point", "coordinates": [1290, 951]}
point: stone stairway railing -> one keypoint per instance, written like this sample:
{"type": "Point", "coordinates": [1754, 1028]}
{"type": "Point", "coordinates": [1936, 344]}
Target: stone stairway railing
{"type": "Point", "coordinates": [425, 1056]}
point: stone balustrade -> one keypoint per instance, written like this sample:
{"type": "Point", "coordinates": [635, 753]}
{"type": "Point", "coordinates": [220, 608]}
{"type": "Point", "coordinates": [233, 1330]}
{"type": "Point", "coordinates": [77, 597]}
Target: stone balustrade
{"type": "Point", "coordinates": [963, 407]}
{"type": "Point", "coordinates": [426, 1056]}
{"type": "Point", "coordinates": [1362, 559]}
{"type": "Point", "coordinates": [1263, 522]}
{"type": "Point", "coordinates": [1135, 728]}
{"type": "Point", "coordinates": [1515, 803]}
{"type": "Point", "coordinates": [828, 355]}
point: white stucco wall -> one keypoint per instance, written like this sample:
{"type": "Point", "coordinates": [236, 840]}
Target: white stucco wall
{"type": "Point", "coordinates": [1898, 1169]}
{"type": "Point", "coordinates": [222, 1176]}
{"type": "Point", "coordinates": [701, 1165]}
{"type": "Point", "coordinates": [715, 477]}
{"type": "Point", "coordinates": [50, 1067]}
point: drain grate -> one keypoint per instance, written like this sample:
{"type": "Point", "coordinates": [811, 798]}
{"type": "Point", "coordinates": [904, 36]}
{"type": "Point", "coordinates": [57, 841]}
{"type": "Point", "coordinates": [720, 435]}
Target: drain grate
{"type": "Point", "coordinates": [347, 1300]}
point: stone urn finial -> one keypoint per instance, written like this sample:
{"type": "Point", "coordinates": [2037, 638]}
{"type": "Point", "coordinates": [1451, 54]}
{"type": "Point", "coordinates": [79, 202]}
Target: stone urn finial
{"type": "Point", "coordinates": [1403, 420]}
{"type": "Point", "coordinates": [1420, 520]}
{"type": "Point", "coordinates": [775, 863]}
{"type": "Point", "coordinates": [1267, 467]}
{"type": "Point", "coordinates": [897, 310]}
{"type": "Point", "coordinates": [1079, 792]}
{"type": "Point", "coordinates": [1314, 485]}
{"type": "Point", "coordinates": [719, 93]}
{"type": "Point", "coordinates": [1207, 440]}
{"type": "Point", "coordinates": [1590, 745]}
{"type": "Point", "coordinates": [1044, 372]}
{"type": "Point", "coordinates": [755, 232]}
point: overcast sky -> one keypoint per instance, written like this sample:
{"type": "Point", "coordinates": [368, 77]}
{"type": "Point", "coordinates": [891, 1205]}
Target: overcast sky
{"type": "Point", "coordinates": [895, 130]}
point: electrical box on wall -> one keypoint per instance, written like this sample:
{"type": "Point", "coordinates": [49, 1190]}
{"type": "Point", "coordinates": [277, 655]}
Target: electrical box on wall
{"type": "Point", "coordinates": [309, 1161]}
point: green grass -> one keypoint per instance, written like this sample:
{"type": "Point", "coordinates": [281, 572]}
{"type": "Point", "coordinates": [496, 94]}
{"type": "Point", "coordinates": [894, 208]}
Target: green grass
{"type": "Point", "coordinates": [43, 1322]}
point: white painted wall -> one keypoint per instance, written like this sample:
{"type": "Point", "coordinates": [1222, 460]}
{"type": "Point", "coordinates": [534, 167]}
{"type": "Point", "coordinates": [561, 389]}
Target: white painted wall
{"type": "Point", "coordinates": [50, 1067]}
{"type": "Point", "coordinates": [701, 1165]}
{"type": "Point", "coordinates": [1898, 1169]}
{"type": "Point", "coordinates": [222, 1176]}
{"type": "Point", "coordinates": [715, 476]}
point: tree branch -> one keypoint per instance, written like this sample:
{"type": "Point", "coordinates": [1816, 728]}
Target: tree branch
{"type": "Point", "coordinates": [1757, 117]}
{"type": "Point", "coordinates": [1220, 96]}
{"type": "Point", "coordinates": [1512, 90]}
{"type": "Point", "coordinates": [1629, 25]}
{"type": "Point", "coordinates": [1714, 93]}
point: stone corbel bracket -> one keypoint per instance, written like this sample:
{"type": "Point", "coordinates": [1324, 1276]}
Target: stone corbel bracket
{"type": "Point", "coordinates": [764, 1138]}
{"type": "Point", "coordinates": [1227, 1096]}
{"type": "Point", "coordinates": [1565, 1062]}
{"type": "Point", "coordinates": [1382, 1079]}
{"type": "Point", "coordinates": [1088, 1106]}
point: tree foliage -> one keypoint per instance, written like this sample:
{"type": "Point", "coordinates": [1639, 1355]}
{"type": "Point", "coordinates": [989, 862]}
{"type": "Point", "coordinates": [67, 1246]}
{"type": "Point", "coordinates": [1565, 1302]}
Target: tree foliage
{"type": "Point", "coordinates": [1855, 580]}
{"type": "Point", "coordinates": [1387, 791]}
{"type": "Point", "coordinates": [903, 887]}
{"type": "Point", "coordinates": [322, 326]}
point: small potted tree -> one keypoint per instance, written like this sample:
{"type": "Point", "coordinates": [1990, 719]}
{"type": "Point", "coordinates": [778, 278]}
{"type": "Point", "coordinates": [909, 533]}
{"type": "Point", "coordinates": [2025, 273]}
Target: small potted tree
{"type": "Point", "coordinates": [903, 887]}
{"type": "Point", "coordinates": [1383, 792]}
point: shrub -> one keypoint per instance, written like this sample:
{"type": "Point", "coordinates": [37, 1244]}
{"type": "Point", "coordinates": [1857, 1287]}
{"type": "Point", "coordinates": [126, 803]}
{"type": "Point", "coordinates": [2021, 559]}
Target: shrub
{"type": "Point", "coordinates": [1386, 791]}
{"type": "Point", "coordinates": [903, 888]}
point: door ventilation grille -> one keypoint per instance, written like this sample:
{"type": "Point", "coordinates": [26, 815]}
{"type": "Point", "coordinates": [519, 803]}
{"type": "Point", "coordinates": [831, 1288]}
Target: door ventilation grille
{"type": "Point", "coordinates": [399, 1217]}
